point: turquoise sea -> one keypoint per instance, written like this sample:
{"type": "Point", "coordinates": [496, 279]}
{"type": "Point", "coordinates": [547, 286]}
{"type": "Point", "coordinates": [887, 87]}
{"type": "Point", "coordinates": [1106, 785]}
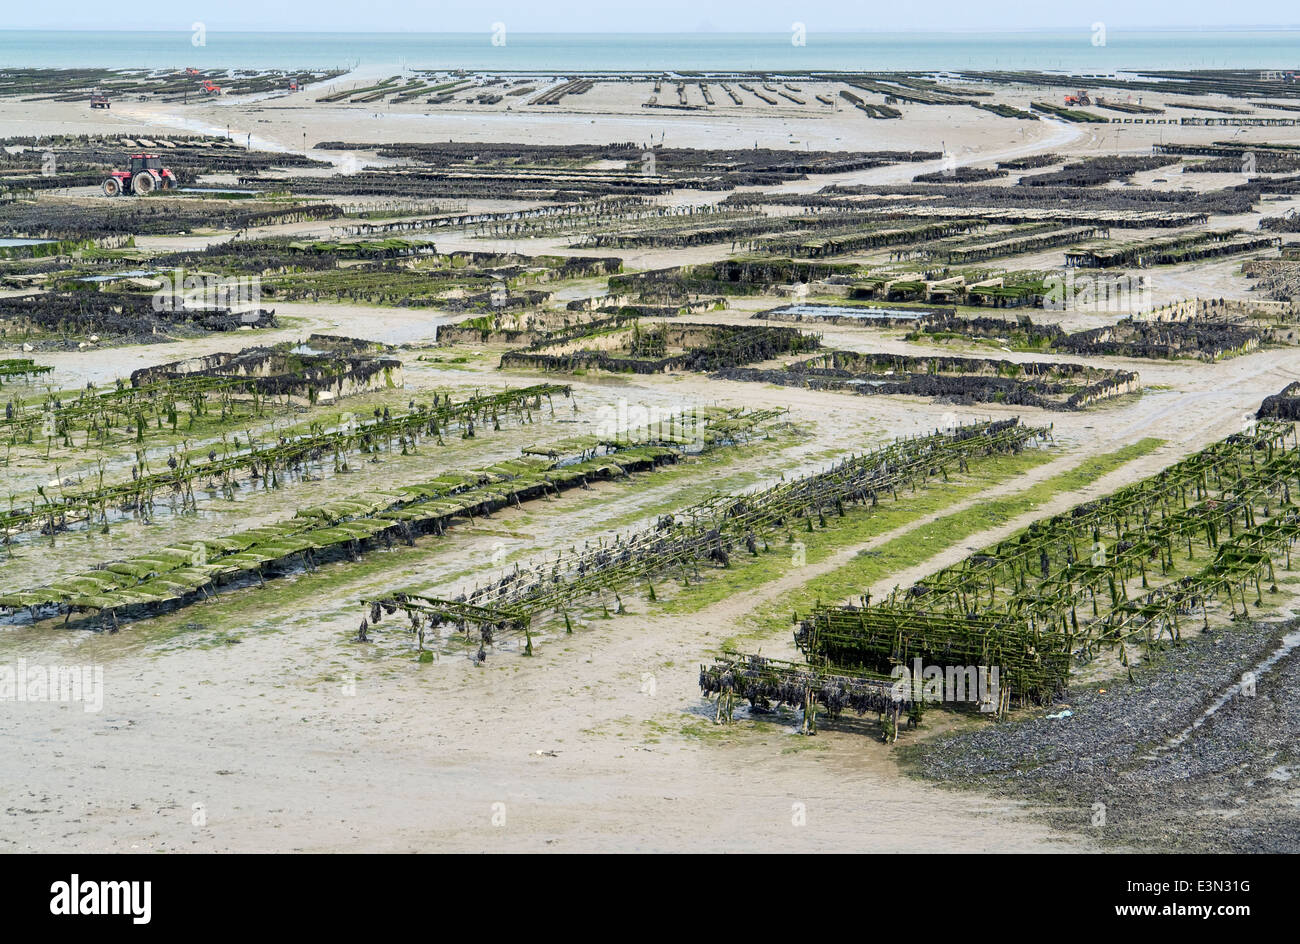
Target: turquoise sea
{"type": "Point", "coordinates": [574, 52]}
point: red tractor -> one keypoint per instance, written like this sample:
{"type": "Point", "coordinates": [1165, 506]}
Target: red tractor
{"type": "Point", "coordinates": [145, 176]}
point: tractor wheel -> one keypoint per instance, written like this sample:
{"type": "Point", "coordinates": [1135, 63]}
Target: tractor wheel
{"type": "Point", "coordinates": [165, 184]}
{"type": "Point", "coordinates": [143, 183]}
{"type": "Point", "coordinates": [111, 186]}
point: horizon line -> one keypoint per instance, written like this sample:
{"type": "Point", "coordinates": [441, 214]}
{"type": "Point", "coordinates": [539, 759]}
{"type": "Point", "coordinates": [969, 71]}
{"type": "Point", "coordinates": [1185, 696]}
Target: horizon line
{"type": "Point", "coordinates": [1244, 27]}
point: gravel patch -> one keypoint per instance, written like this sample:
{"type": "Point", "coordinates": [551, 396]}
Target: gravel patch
{"type": "Point", "coordinates": [1183, 757]}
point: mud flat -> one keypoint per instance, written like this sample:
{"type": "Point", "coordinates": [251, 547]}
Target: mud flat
{"type": "Point", "coordinates": [572, 234]}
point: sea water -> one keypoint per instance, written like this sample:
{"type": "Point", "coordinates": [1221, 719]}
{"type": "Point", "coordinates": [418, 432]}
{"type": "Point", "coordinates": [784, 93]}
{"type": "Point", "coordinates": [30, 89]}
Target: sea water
{"type": "Point", "coordinates": [1074, 50]}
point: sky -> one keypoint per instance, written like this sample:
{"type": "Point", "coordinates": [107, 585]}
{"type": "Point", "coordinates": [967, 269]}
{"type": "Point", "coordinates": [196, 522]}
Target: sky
{"type": "Point", "coordinates": [662, 16]}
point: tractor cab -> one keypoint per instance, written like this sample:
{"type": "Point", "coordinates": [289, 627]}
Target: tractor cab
{"type": "Point", "coordinates": [141, 162]}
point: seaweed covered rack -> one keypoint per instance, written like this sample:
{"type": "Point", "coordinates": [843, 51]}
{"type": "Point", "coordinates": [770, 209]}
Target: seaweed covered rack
{"type": "Point", "coordinates": [630, 345]}
{"type": "Point", "coordinates": [772, 683]}
{"type": "Point", "coordinates": [100, 500]}
{"type": "Point", "coordinates": [1048, 385]}
{"type": "Point", "coordinates": [343, 529]}
{"type": "Point", "coordinates": [720, 532]}
{"type": "Point", "coordinates": [59, 319]}
{"type": "Point", "coordinates": [1118, 577]}
{"type": "Point", "coordinates": [324, 367]}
